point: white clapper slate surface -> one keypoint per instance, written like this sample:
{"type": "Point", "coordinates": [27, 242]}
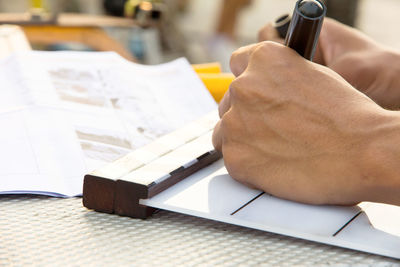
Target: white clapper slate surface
{"type": "Point", "coordinates": [211, 193]}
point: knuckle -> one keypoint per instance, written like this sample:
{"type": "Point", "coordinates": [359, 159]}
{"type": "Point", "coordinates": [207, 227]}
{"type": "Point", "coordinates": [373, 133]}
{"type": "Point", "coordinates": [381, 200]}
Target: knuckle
{"type": "Point", "coordinates": [234, 56]}
{"type": "Point", "coordinates": [229, 126]}
{"type": "Point", "coordinates": [273, 56]}
{"type": "Point", "coordinates": [240, 59]}
{"type": "Point", "coordinates": [225, 124]}
{"type": "Point", "coordinates": [221, 110]}
{"type": "Point", "coordinates": [238, 89]}
{"type": "Point", "coordinates": [269, 49]}
{"type": "Point", "coordinates": [237, 54]}
{"type": "Point", "coordinates": [236, 61]}
{"type": "Point", "coordinates": [233, 88]}
{"type": "Point", "coordinates": [249, 88]}
{"type": "Point", "coordinates": [265, 47]}
{"type": "Point", "coordinates": [216, 138]}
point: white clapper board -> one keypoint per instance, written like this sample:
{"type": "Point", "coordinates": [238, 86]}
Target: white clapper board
{"type": "Point", "coordinates": [209, 192]}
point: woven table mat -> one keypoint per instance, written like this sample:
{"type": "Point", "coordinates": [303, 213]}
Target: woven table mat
{"type": "Point", "coordinates": [45, 231]}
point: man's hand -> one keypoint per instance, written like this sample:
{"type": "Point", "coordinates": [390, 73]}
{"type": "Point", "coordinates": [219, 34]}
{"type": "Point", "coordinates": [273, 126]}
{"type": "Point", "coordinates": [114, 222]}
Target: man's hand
{"type": "Point", "coordinates": [299, 131]}
{"type": "Point", "coordinates": [368, 66]}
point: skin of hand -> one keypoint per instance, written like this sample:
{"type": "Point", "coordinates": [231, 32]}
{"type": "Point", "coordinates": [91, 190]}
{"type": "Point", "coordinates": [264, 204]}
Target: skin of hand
{"type": "Point", "coordinates": [297, 130]}
{"type": "Point", "coordinates": [366, 65]}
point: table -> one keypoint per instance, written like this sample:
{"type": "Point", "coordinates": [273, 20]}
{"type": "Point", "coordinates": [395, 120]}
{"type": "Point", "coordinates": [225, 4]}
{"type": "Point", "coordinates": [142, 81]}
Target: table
{"type": "Point", "coordinates": [52, 232]}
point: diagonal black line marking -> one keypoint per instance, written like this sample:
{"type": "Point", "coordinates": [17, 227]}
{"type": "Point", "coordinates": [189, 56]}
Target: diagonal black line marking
{"type": "Point", "coordinates": [344, 226]}
{"type": "Point", "coordinates": [259, 195]}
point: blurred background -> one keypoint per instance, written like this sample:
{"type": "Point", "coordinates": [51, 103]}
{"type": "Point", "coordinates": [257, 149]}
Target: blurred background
{"type": "Point", "coordinates": [156, 31]}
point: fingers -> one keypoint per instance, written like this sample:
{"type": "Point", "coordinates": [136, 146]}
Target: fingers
{"type": "Point", "coordinates": [337, 39]}
{"type": "Point", "coordinates": [239, 63]}
{"type": "Point", "coordinates": [225, 104]}
{"type": "Point", "coordinates": [217, 137]}
{"type": "Point", "coordinates": [324, 52]}
{"type": "Point", "coordinates": [223, 107]}
{"type": "Point", "coordinates": [333, 36]}
{"type": "Point", "coordinates": [269, 33]}
{"type": "Point", "coordinates": [240, 59]}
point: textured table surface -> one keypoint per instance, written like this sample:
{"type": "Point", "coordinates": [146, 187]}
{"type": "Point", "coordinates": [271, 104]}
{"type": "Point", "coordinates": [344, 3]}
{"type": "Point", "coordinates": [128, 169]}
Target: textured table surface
{"type": "Point", "coordinates": [52, 232]}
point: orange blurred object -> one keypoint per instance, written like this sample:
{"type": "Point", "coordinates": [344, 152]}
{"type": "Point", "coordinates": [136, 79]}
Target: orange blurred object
{"type": "Point", "coordinates": [213, 67]}
{"type": "Point", "coordinates": [217, 83]}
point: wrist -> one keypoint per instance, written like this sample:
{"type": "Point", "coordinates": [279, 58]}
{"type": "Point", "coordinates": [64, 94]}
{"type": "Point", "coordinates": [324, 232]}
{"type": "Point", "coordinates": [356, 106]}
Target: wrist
{"type": "Point", "coordinates": [380, 162]}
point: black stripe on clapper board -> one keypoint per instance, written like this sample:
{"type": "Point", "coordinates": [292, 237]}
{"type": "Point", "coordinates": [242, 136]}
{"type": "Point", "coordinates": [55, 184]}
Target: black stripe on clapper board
{"type": "Point", "coordinates": [259, 195]}
{"type": "Point", "coordinates": [344, 226]}
{"type": "Point", "coordinates": [262, 193]}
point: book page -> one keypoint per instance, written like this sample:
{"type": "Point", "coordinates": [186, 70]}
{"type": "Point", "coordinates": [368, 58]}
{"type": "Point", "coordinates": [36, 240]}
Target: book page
{"type": "Point", "coordinates": [117, 106]}
{"type": "Point", "coordinates": [99, 107]}
{"type": "Point", "coordinates": [39, 153]}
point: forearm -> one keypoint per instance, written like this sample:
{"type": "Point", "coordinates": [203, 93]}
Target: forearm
{"type": "Point", "coordinates": [381, 170]}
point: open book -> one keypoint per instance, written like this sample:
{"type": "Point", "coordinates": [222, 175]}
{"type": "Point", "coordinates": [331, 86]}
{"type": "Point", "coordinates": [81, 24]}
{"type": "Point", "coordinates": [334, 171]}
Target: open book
{"type": "Point", "coordinates": [63, 114]}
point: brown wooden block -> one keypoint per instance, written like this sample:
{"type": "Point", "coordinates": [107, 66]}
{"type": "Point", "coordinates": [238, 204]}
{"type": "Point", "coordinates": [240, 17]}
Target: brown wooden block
{"type": "Point", "coordinates": [99, 186]}
{"type": "Point", "coordinates": [127, 200]}
{"type": "Point", "coordinates": [98, 193]}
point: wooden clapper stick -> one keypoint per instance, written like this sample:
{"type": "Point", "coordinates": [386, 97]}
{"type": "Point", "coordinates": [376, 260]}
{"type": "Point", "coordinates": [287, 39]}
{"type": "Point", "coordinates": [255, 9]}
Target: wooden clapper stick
{"type": "Point", "coordinates": [148, 171]}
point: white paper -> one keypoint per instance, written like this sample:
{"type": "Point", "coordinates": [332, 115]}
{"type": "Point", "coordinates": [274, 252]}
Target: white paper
{"type": "Point", "coordinates": [39, 153]}
{"type": "Point", "coordinates": [101, 105]}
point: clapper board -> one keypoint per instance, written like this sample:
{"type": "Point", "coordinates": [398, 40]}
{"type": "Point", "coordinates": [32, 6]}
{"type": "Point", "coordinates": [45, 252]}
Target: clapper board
{"type": "Point", "coordinates": [181, 172]}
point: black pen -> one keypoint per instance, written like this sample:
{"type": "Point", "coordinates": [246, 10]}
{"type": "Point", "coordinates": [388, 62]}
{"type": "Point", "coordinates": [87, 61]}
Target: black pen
{"type": "Point", "coordinates": [302, 30]}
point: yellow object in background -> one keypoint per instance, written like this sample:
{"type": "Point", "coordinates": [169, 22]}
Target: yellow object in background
{"type": "Point", "coordinates": [37, 4]}
{"type": "Point", "coordinates": [213, 67]}
{"type": "Point", "coordinates": [129, 8]}
{"type": "Point", "coordinates": [217, 83]}
{"type": "Point", "coordinates": [214, 79]}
